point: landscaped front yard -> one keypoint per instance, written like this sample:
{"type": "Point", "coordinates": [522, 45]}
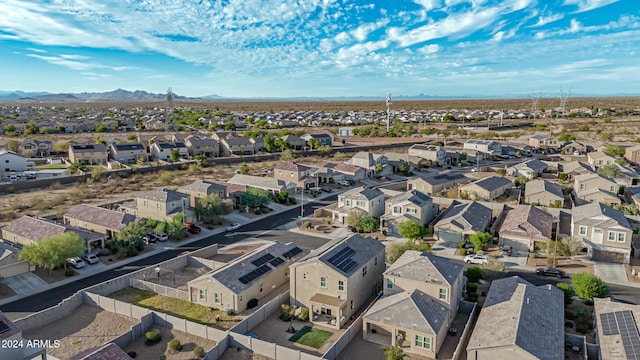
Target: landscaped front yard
{"type": "Point", "coordinates": [311, 337]}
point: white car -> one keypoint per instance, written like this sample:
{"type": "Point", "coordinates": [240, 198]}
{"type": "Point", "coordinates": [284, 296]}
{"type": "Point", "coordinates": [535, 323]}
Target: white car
{"type": "Point", "coordinates": [233, 227]}
{"type": "Point", "coordinates": [160, 236]}
{"type": "Point", "coordinates": [476, 259]}
{"type": "Point", "coordinates": [90, 259]}
{"type": "Point", "coordinates": [344, 183]}
{"type": "Point", "coordinates": [76, 262]}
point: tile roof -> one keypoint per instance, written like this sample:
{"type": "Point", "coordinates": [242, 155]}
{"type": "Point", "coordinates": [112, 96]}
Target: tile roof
{"type": "Point", "coordinates": [541, 186]}
{"type": "Point", "coordinates": [599, 215]}
{"type": "Point", "coordinates": [527, 221]}
{"type": "Point", "coordinates": [425, 267]}
{"type": "Point", "coordinates": [363, 193]}
{"type": "Point", "coordinates": [100, 216]}
{"type": "Point", "coordinates": [467, 217]}
{"type": "Point", "coordinates": [530, 317]}
{"type": "Point", "coordinates": [575, 167]}
{"type": "Point", "coordinates": [36, 229]}
{"type": "Point", "coordinates": [491, 183]}
{"type": "Point", "coordinates": [365, 248]}
{"type": "Point", "coordinates": [164, 195]}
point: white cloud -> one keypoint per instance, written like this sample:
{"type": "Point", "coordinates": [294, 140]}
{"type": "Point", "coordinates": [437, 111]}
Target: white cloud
{"type": "Point", "coordinates": [362, 32]}
{"type": "Point", "coordinates": [428, 4]}
{"type": "Point", "coordinates": [587, 5]}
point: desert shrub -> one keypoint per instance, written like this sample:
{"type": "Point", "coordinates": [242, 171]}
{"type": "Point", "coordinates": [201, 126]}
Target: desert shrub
{"type": "Point", "coordinates": [285, 312]}
{"type": "Point", "coordinates": [474, 273]}
{"type": "Point", "coordinates": [471, 286]}
{"type": "Point", "coordinates": [69, 272]}
{"type": "Point", "coordinates": [461, 244]}
{"type": "Point", "coordinates": [307, 224]}
{"type": "Point", "coordinates": [104, 252]}
{"type": "Point", "coordinates": [257, 211]}
{"type": "Point", "coordinates": [198, 352]}
{"type": "Point", "coordinates": [153, 336]}
{"type": "Point", "coordinates": [304, 314]}
{"type": "Point", "coordinates": [462, 252]}
{"type": "Point", "coordinates": [175, 345]}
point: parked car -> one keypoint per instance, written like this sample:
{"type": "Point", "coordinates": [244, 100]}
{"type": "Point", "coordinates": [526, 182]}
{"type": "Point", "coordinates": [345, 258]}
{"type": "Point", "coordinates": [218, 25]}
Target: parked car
{"type": "Point", "coordinates": [76, 262]}
{"type": "Point", "coordinates": [547, 271]}
{"type": "Point", "coordinates": [315, 190]}
{"type": "Point", "coordinates": [476, 259]}
{"type": "Point", "coordinates": [506, 250]}
{"type": "Point", "coordinates": [344, 183]}
{"type": "Point", "coordinates": [326, 189]}
{"type": "Point", "coordinates": [90, 259]}
{"type": "Point", "coordinates": [160, 236]}
{"type": "Point", "coordinates": [192, 228]}
{"type": "Point", "coordinates": [233, 227]}
{"type": "Point", "coordinates": [149, 239]}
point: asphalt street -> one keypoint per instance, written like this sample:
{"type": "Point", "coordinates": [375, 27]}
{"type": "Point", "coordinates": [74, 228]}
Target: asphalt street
{"type": "Point", "coordinates": [256, 229]}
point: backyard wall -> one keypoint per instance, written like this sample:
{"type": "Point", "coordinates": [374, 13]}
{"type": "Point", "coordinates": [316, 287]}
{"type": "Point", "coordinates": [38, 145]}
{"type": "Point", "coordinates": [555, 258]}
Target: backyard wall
{"type": "Point", "coordinates": [41, 318]}
{"type": "Point", "coordinates": [466, 308]}
{"type": "Point", "coordinates": [17, 268]}
{"type": "Point", "coordinates": [261, 314]}
{"type": "Point", "coordinates": [160, 289]}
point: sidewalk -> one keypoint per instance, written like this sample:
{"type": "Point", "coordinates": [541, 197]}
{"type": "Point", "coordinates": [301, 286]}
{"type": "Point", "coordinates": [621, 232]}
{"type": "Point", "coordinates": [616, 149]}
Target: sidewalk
{"type": "Point", "coordinates": [27, 288]}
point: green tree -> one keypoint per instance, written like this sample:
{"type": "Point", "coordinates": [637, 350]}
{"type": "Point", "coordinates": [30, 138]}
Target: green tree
{"type": "Point", "coordinates": [610, 171]}
{"type": "Point", "coordinates": [412, 230]}
{"type": "Point", "coordinates": [282, 196]}
{"type": "Point", "coordinates": [521, 181]}
{"type": "Point", "coordinates": [405, 168]}
{"type": "Point", "coordinates": [286, 155]}
{"type": "Point", "coordinates": [131, 236]}
{"type": "Point", "coordinates": [244, 169]}
{"type": "Point", "coordinates": [565, 137]}
{"type": "Point", "coordinates": [60, 147]}
{"type": "Point", "coordinates": [28, 153]}
{"type": "Point", "coordinates": [393, 353]}
{"type": "Point", "coordinates": [141, 160]}
{"type": "Point", "coordinates": [255, 197]}
{"type": "Point", "coordinates": [174, 155]}
{"type": "Point", "coordinates": [354, 218]}
{"type": "Point", "coordinates": [501, 172]}
{"type": "Point", "coordinates": [568, 293]}
{"type": "Point", "coordinates": [493, 269]}
{"type": "Point", "coordinates": [587, 286]}
{"type": "Point", "coordinates": [396, 249]}
{"type": "Point", "coordinates": [324, 150]}
{"type": "Point", "coordinates": [480, 240]}
{"type": "Point", "coordinates": [368, 224]}
{"type": "Point", "coordinates": [210, 207]}
{"type": "Point", "coordinates": [378, 168]}
{"type": "Point", "coordinates": [614, 150]}
{"type": "Point", "coordinates": [53, 252]}
{"type": "Point", "coordinates": [12, 145]}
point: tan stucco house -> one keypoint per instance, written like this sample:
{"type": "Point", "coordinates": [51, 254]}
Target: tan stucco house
{"type": "Point", "coordinates": [89, 154]}
{"type": "Point", "coordinates": [410, 205]}
{"type": "Point", "coordinates": [486, 189]}
{"type": "Point", "coordinates": [369, 200]}
{"type": "Point", "coordinates": [605, 232]}
{"type": "Point", "coordinates": [29, 230]}
{"type": "Point", "coordinates": [523, 227]}
{"type": "Point", "coordinates": [100, 220]}
{"type": "Point", "coordinates": [542, 192]}
{"type": "Point", "coordinates": [161, 205]}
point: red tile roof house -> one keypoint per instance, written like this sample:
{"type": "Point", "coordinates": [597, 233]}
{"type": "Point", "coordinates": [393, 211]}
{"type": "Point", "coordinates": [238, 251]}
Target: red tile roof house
{"type": "Point", "coordinates": [100, 220]}
{"type": "Point", "coordinates": [523, 226]}
{"type": "Point", "coordinates": [28, 230]}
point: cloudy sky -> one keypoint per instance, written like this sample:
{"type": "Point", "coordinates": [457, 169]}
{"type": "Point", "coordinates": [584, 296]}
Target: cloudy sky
{"type": "Point", "coordinates": [322, 48]}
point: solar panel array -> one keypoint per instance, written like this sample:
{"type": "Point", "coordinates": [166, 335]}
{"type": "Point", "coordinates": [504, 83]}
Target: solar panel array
{"type": "Point", "coordinates": [255, 274]}
{"type": "Point", "coordinates": [276, 262]}
{"type": "Point", "coordinates": [263, 260]}
{"type": "Point", "coordinates": [291, 253]}
{"type": "Point", "coordinates": [623, 323]}
{"type": "Point", "coordinates": [3, 327]}
{"type": "Point", "coordinates": [342, 260]}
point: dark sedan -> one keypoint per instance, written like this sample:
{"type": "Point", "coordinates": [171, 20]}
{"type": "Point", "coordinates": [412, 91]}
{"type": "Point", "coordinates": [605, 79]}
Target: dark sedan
{"type": "Point", "coordinates": [551, 272]}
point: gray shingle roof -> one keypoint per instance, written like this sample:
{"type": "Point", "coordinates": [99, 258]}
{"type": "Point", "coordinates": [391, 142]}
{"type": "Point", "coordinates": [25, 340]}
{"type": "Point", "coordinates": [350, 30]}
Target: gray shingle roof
{"type": "Point", "coordinates": [599, 215]}
{"type": "Point", "coordinates": [171, 145]}
{"type": "Point", "coordinates": [363, 193]}
{"type": "Point", "coordinates": [425, 267]}
{"type": "Point", "coordinates": [413, 196]}
{"type": "Point", "coordinates": [530, 317]}
{"type": "Point", "coordinates": [443, 178]}
{"type": "Point", "coordinates": [164, 195]}
{"type": "Point", "coordinates": [471, 217]}
{"type": "Point", "coordinates": [527, 221]}
{"type": "Point", "coordinates": [365, 248]}
{"type": "Point", "coordinates": [129, 147]}
{"type": "Point", "coordinates": [541, 186]}
{"type": "Point", "coordinates": [491, 183]}
{"type": "Point", "coordinates": [203, 186]}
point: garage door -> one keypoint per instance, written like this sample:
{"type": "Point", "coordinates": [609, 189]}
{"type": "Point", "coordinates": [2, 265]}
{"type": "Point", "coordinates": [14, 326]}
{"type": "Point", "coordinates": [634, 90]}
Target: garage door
{"type": "Point", "coordinates": [608, 256]}
{"type": "Point", "coordinates": [450, 239]}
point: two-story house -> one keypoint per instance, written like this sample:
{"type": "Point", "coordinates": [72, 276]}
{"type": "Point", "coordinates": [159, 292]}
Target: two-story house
{"type": "Point", "coordinates": [41, 148]}
{"type": "Point", "coordinates": [89, 154]}
{"type": "Point", "coordinates": [10, 162]}
{"type": "Point", "coordinates": [236, 146]}
{"type": "Point", "coordinates": [128, 153]}
{"type": "Point", "coordinates": [202, 188]}
{"type": "Point", "coordinates": [295, 143]}
{"type": "Point", "coordinates": [337, 279]}
{"type": "Point", "coordinates": [485, 189]}
{"type": "Point", "coordinates": [523, 227]}
{"type": "Point", "coordinates": [243, 282]}
{"type": "Point", "coordinates": [632, 154]}
{"type": "Point", "coordinates": [100, 220]}
{"type": "Point", "coordinates": [410, 205]}
{"type": "Point", "coordinates": [595, 188]}
{"type": "Point", "coordinates": [487, 147]}
{"type": "Point", "coordinates": [542, 192]}
{"type": "Point", "coordinates": [375, 164]}
{"type": "Point", "coordinates": [544, 142]}
{"type": "Point", "coordinates": [600, 158]}
{"type": "Point", "coordinates": [299, 174]}
{"type": "Point", "coordinates": [421, 297]}
{"type": "Point", "coordinates": [323, 139]}
{"type": "Point", "coordinates": [369, 200]}
{"type": "Point", "coordinates": [529, 169]}
{"type": "Point", "coordinates": [163, 150]}
{"type": "Point", "coordinates": [460, 221]}
{"type": "Point", "coordinates": [604, 231]}
{"type": "Point", "coordinates": [433, 184]}
{"type": "Point", "coordinates": [161, 205]}
{"type": "Point", "coordinates": [201, 146]}
{"type": "Point", "coordinates": [435, 154]}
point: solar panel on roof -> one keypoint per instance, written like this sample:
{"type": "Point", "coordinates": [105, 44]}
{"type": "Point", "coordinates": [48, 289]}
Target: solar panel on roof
{"type": "Point", "coordinates": [623, 323]}
{"type": "Point", "coordinates": [342, 260]}
{"type": "Point", "coordinates": [276, 262]}
{"type": "Point", "coordinates": [255, 274]}
{"type": "Point", "coordinates": [263, 260]}
{"type": "Point", "coordinates": [291, 253]}
{"type": "Point", "coordinates": [609, 325]}
{"type": "Point", "coordinates": [4, 327]}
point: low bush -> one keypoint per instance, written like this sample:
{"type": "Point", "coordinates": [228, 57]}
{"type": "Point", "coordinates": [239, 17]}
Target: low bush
{"type": "Point", "coordinates": [257, 211]}
{"type": "Point", "coordinates": [175, 345]}
{"type": "Point", "coordinates": [285, 312]}
{"type": "Point", "coordinates": [569, 315]}
{"type": "Point", "coordinates": [304, 314]}
{"type": "Point", "coordinates": [104, 252]}
{"type": "Point", "coordinates": [307, 224]}
{"type": "Point", "coordinates": [198, 352]}
{"type": "Point", "coordinates": [473, 297]}
{"type": "Point", "coordinates": [153, 336]}
{"type": "Point", "coordinates": [461, 244]}
{"type": "Point", "coordinates": [474, 274]}
{"type": "Point", "coordinates": [471, 286]}
{"type": "Point", "coordinates": [69, 272]}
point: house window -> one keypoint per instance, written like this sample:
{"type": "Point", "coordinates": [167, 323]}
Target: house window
{"type": "Point", "coordinates": [348, 202]}
{"type": "Point", "coordinates": [323, 281]}
{"type": "Point", "coordinates": [340, 285]}
{"type": "Point", "coordinates": [351, 304]}
{"type": "Point", "coordinates": [375, 261]}
{"type": "Point", "coordinates": [304, 276]}
{"type": "Point", "coordinates": [412, 210]}
{"type": "Point", "coordinates": [203, 294]}
{"type": "Point", "coordinates": [144, 203]}
{"type": "Point", "coordinates": [582, 186]}
{"type": "Point", "coordinates": [240, 298]}
{"type": "Point", "coordinates": [292, 175]}
{"type": "Point", "coordinates": [364, 271]}
{"type": "Point", "coordinates": [613, 188]}
{"type": "Point", "coordinates": [612, 236]}
{"type": "Point", "coordinates": [218, 298]}
{"type": "Point", "coordinates": [621, 237]}
{"type": "Point", "coordinates": [423, 342]}
{"type": "Point", "coordinates": [582, 230]}
{"type": "Point", "coordinates": [397, 209]}
{"type": "Point", "coordinates": [360, 203]}
{"type": "Point", "coordinates": [443, 294]}
{"type": "Point", "coordinates": [260, 287]}
{"type": "Point", "coordinates": [389, 283]}
{"type": "Point", "coordinates": [158, 206]}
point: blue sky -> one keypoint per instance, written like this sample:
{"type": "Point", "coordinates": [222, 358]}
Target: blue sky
{"type": "Point", "coordinates": [322, 48]}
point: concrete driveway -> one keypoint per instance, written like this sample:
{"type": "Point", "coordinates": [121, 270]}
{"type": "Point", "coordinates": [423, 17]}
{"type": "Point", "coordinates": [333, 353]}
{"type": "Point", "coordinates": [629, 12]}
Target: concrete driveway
{"type": "Point", "coordinates": [26, 283]}
{"type": "Point", "coordinates": [610, 272]}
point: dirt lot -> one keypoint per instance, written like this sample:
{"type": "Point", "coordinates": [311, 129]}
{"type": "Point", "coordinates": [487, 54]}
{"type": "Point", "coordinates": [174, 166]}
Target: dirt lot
{"type": "Point", "coordinates": [568, 265]}
{"type": "Point", "coordinates": [178, 279]}
{"type": "Point", "coordinates": [85, 328]}
{"type": "Point", "coordinates": [188, 341]}
{"type": "Point", "coordinates": [229, 253]}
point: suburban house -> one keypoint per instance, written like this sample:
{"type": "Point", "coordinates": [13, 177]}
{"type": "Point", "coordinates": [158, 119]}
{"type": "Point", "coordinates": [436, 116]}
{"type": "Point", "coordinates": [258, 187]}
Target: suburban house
{"type": "Point", "coordinates": [336, 279]}
{"type": "Point", "coordinates": [128, 153]}
{"type": "Point", "coordinates": [350, 172]}
{"type": "Point", "coordinates": [574, 168]}
{"type": "Point", "coordinates": [324, 139]}
{"type": "Point", "coordinates": [604, 231]}
{"type": "Point", "coordinates": [529, 169]}
{"type": "Point", "coordinates": [236, 146]}
{"type": "Point", "coordinates": [90, 154]}
{"type": "Point", "coordinates": [421, 297]}
{"type": "Point", "coordinates": [486, 147]}
{"type": "Point", "coordinates": [543, 142]}
{"type": "Point", "coordinates": [435, 154]}
{"type": "Point", "coordinates": [269, 184]}
{"type": "Point", "coordinates": [410, 205]}
{"type": "Point", "coordinates": [258, 143]}
{"type": "Point", "coordinates": [433, 184]}
{"type": "Point", "coordinates": [593, 187]}
{"type": "Point", "coordinates": [12, 162]}
{"type": "Point", "coordinates": [632, 154]}
{"type": "Point", "coordinates": [161, 205]}
{"type": "Point", "coordinates": [632, 195]}
{"type": "Point", "coordinates": [330, 172]}
{"type": "Point", "coordinates": [202, 146]}
{"type": "Point", "coordinates": [241, 283]}
{"type": "Point", "coordinates": [162, 150]}
{"type": "Point", "coordinates": [415, 162]}
{"type": "Point", "coordinates": [523, 226]}
{"type": "Point", "coordinates": [616, 328]}
{"type": "Point", "coordinates": [460, 221]}
{"type": "Point", "coordinates": [599, 158]}
{"type": "Point", "coordinates": [369, 200]}
{"type": "Point", "coordinates": [627, 176]}
{"type": "Point", "coordinates": [519, 321]}
{"type": "Point", "coordinates": [202, 188]}
{"type": "Point", "coordinates": [100, 220]}
{"type": "Point", "coordinates": [295, 143]}
{"type": "Point", "coordinates": [28, 230]}
{"type": "Point", "coordinates": [571, 147]}
{"type": "Point", "coordinates": [41, 148]}
{"type": "Point", "coordinates": [370, 162]}
{"type": "Point", "coordinates": [542, 192]}
{"type": "Point", "coordinates": [290, 172]}
{"type": "Point", "coordinates": [486, 189]}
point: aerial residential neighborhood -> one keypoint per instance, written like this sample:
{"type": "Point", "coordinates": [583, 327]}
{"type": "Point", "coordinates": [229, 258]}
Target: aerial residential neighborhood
{"type": "Point", "coordinates": [288, 235]}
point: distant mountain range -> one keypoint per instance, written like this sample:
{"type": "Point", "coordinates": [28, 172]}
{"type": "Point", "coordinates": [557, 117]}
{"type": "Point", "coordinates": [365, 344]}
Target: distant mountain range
{"type": "Point", "coordinates": [141, 95]}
